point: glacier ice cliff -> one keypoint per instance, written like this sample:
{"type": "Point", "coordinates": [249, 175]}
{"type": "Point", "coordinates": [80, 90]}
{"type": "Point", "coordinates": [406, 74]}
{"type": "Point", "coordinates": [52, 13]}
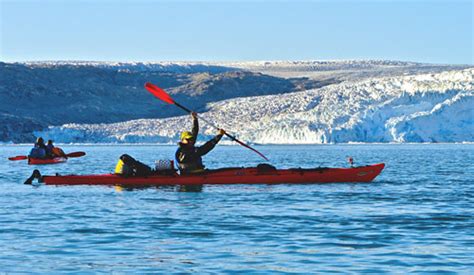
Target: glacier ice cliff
{"type": "Point", "coordinates": [429, 107]}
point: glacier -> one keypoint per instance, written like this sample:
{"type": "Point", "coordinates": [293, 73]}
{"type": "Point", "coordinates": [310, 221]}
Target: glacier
{"type": "Point", "coordinates": [427, 107]}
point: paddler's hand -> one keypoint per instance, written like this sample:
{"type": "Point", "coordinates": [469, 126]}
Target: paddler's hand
{"type": "Point", "coordinates": [194, 115]}
{"type": "Point", "coordinates": [221, 132]}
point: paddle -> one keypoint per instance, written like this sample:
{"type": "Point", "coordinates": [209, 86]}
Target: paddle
{"type": "Point", "coordinates": [75, 154]}
{"type": "Point", "coordinates": [70, 155]}
{"type": "Point", "coordinates": [161, 94]}
{"type": "Point", "coordinates": [18, 158]}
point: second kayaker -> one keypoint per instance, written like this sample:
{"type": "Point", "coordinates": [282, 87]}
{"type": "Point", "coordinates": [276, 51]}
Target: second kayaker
{"type": "Point", "coordinates": [54, 151]}
{"type": "Point", "coordinates": [188, 156]}
{"type": "Point", "coordinates": [49, 148]}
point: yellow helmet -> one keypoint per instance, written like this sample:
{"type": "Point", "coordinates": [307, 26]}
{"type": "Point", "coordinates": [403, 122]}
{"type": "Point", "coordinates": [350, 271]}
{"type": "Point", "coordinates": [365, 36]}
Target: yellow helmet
{"type": "Point", "coordinates": [186, 135]}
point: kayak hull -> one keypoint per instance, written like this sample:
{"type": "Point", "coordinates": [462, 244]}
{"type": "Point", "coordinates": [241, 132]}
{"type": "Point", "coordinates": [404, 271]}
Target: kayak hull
{"type": "Point", "coordinates": [228, 176]}
{"type": "Point", "coordinates": [33, 161]}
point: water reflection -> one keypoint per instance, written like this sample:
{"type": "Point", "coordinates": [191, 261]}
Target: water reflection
{"type": "Point", "coordinates": [170, 188]}
{"type": "Point", "coordinates": [189, 188]}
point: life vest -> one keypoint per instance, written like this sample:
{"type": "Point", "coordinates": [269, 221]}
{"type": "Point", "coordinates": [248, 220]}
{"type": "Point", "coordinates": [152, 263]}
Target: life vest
{"type": "Point", "coordinates": [49, 149]}
{"type": "Point", "coordinates": [193, 166]}
{"type": "Point", "coordinates": [37, 153]}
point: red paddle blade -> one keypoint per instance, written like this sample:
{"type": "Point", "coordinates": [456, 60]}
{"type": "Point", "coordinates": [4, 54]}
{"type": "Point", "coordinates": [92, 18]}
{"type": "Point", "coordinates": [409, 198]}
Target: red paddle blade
{"type": "Point", "coordinates": [18, 158]}
{"type": "Point", "coordinates": [75, 154]}
{"type": "Point", "coordinates": [159, 93]}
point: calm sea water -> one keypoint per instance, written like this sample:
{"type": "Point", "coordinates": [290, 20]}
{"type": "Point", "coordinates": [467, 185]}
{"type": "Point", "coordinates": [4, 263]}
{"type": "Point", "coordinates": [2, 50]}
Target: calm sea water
{"type": "Point", "coordinates": [417, 216]}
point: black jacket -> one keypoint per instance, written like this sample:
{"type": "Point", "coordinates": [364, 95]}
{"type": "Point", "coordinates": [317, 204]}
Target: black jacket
{"type": "Point", "coordinates": [189, 157]}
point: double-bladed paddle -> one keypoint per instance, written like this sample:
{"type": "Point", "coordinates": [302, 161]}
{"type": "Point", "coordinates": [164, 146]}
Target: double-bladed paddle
{"type": "Point", "coordinates": [70, 155]}
{"type": "Point", "coordinates": [161, 94]}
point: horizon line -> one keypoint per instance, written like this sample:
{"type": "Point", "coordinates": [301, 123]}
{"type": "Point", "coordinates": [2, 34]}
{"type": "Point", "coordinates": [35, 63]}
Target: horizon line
{"type": "Point", "coordinates": [232, 61]}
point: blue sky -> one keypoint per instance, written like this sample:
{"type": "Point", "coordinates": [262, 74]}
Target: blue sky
{"type": "Point", "coordinates": [105, 30]}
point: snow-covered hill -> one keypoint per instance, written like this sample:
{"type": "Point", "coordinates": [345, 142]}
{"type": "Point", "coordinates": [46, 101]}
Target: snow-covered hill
{"type": "Point", "coordinates": [36, 95]}
{"type": "Point", "coordinates": [434, 107]}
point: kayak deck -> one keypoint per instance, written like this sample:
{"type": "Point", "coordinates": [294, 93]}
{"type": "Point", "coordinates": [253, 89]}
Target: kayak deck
{"type": "Point", "coordinates": [35, 161]}
{"type": "Point", "coordinates": [228, 176]}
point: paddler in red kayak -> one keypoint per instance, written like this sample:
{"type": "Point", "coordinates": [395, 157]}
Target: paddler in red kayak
{"type": "Point", "coordinates": [53, 151]}
{"type": "Point", "coordinates": [189, 156]}
{"type": "Point", "coordinates": [49, 148]}
{"type": "Point", "coordinates": [39, 149]}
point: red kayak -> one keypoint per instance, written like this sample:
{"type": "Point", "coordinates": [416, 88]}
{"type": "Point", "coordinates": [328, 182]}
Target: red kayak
{"type": "Point", "coordinates": [47, 161]}
{"type": "Point", "coordinates": [35, 161]}
{"type": "Point", "coordinates": [224, 176]}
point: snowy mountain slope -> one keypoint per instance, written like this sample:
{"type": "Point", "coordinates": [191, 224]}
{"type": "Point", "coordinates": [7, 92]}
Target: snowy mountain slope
{"type": "Point", "coordinates": [43, 94]}
{"type": "Point", "coordinates": [420, 108]}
